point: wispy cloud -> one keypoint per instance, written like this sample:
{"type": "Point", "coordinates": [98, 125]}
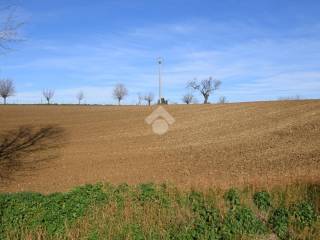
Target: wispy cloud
{"type": "Point", "coordinates": [252, 63]}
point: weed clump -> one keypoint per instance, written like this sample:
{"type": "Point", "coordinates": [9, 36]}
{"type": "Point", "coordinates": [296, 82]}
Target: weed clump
{"type": "Point", "coordinates": [262, 200]}
{"type": "Point", "coordinates": [232, 198]}
{"type": "Point", "coordinates": [304, 215]}
{"type": "Point", "coordinates": [279, 222]}
{"type": "Point", "coordinates": [242, 221]}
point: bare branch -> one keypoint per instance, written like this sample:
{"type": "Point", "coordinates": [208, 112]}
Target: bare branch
{"type": "Point", "coordinates": [9, 27]}
{"type": "Point", "coordinates": [194, 84]}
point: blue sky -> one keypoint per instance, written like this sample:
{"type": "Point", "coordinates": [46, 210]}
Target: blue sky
{"type": "Point", "coordinates": [260, 50]}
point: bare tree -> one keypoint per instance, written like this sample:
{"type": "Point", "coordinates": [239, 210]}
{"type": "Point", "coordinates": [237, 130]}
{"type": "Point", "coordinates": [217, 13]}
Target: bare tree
{"type": "Point", "coordinates": [149, 98]}
{"type": "Point", "coordinates": [119, 92]}
{"type": "Point", "coordinates": [9, 26]}
{"type": "Point", "coordinates": [140, 98]}
{"type": "Point", "coordinates": [205, 87]}
{"type": "Point", "coordinates": [80, 97]}
{"type": "Point", "coordinates": [6, 89]}
{"type": "Point", "coordinates": [222, 100]}
{"type": "Point", "coordinates": [187, 98]}
{"type": "Point", "coordinates": [48, 94]}
{"type": "Point", "coordinates": [8, 33]}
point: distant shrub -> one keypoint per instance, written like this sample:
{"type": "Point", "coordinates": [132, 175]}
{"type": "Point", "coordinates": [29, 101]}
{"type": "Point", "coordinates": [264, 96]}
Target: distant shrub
{"type": "Point", "coordinates": [262, 200]}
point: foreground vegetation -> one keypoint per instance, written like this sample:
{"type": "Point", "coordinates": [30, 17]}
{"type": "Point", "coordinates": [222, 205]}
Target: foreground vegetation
{"type": "Point", "coordinates": [150, 211]}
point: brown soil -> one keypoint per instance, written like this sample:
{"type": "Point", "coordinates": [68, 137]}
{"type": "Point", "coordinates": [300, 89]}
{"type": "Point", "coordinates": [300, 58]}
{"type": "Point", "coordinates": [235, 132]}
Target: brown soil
{"type": "Point", "coordinates": [265, 143]}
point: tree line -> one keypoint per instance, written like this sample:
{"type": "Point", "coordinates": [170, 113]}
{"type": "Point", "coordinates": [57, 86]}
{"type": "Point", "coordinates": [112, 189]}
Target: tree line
{"type": "Point", "coordinates": [206, 87]}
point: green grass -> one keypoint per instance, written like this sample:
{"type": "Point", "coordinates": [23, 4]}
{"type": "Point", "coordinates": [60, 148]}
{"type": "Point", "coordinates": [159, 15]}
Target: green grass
{"type": "Point", "coordinates": [149, 211]}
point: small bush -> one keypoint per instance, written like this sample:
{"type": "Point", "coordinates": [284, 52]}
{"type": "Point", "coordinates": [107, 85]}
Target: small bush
{"type": "Point", "coordinates": [262, 200]}
{"type": "Point", "coordinates": [279, 221]}
{"type": "Point", "coordinates": [242, 221]}
{"type": "Point", "coordinates": [304, 215]}
{"type": "Point", "coordinates": [232, 198]}
{"type": "Point", "coordinates": [207, 225]}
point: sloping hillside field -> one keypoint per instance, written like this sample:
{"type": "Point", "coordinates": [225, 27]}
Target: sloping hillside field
{"type": "Point", "coordinates": [54, 148]}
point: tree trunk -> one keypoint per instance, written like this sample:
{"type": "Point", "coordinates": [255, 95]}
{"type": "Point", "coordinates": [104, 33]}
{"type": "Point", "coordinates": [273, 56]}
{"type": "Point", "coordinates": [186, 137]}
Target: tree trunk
{"type": "Point", "coordinates": [119, 102]}
{"type": "Point", "coordinates": [206, 99]}
{"type": "Point", "coordinates": [4, 100]}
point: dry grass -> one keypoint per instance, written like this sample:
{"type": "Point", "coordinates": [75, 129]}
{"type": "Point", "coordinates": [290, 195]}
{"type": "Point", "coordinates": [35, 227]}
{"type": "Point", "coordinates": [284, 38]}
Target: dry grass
{"type": "Point", "coordinates": [259, 144]}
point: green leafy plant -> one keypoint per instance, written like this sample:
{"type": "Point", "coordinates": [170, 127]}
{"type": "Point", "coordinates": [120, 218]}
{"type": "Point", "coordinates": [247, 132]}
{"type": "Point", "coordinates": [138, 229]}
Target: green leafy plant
{"type": "Point", "coordinates": [232, 198]}
{"type": "Point", "coordinates": [242, 221]}
{"type": "Point", "coordinates": [279, 221]}
{"type": "Point", "coordinates": [147, 192]}
{"type": "Point", "coordinates": [208, 223]}
{"type": "Point", "coordinates": [304, 214]}
{"type": "Point", "coordinates": [33, 210]}
{"type": "Point", "coordinates": [150, 211]}
{"type": "Point", "coordinates": [262, 200]}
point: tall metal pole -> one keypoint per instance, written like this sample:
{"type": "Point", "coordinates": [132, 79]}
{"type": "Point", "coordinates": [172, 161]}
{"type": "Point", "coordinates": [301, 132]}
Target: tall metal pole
{"type": "Point", "coordinates": [160, 83]}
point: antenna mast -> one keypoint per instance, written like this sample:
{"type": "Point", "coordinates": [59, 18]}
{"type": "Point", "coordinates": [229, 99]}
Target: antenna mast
{"type": "Point", "coordinates": [160, 80]}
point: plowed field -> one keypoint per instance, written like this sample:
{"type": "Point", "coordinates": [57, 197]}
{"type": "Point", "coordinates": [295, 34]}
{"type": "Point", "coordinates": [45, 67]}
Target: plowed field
{"type": "Point", "coordinates": [53, 148]}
